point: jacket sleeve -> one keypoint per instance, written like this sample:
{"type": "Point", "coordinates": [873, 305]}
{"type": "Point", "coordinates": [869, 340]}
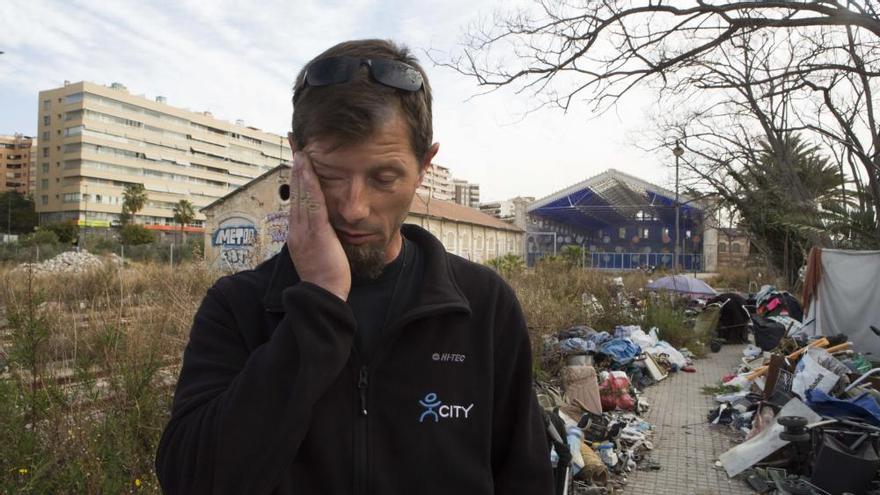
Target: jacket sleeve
{"type": "Point", "coordinates": [239, 417]}
{"type": "Point", "coordinates": [520, 453]}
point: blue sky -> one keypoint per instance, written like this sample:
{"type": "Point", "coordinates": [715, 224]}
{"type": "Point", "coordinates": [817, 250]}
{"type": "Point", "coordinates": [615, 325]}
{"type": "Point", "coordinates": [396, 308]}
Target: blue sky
{"type": "Point", "coordinates": [237, 59]}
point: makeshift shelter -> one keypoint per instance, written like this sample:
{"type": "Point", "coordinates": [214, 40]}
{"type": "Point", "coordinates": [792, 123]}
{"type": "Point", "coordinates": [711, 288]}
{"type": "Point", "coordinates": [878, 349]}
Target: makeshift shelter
{"type": "Point", "coordinates": [842, 294]}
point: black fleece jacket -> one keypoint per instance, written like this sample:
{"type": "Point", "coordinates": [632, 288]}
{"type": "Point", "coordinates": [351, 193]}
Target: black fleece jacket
{"type": "Point", "coordinates": [272, 398]}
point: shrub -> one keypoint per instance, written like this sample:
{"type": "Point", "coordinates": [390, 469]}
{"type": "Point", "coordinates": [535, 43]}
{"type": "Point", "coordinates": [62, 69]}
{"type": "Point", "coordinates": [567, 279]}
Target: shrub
{"type": "Point", "coordinates": [42, 237]}
{"type": "Point", "coordinates": [67, 231]}
{"type": "Point", "coordinates": [134, 235]}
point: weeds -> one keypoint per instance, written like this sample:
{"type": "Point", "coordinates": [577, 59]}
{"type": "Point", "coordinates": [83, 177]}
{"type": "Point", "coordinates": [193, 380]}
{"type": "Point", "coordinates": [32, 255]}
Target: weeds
{"type": "Point", "coordinates": [92, 362]}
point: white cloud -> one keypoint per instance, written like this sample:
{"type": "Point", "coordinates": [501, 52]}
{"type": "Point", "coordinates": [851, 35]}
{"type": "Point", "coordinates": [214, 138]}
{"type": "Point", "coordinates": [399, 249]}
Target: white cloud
{"type": "Point", "coordinates": [238, 60]}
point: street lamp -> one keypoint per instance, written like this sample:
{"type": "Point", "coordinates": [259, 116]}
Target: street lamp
{"type": "Point", "coordinates": [677, 151]}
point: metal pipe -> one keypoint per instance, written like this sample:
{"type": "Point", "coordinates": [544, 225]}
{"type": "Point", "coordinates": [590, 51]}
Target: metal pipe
{"type": "Point", "coordinates": [861, 379]}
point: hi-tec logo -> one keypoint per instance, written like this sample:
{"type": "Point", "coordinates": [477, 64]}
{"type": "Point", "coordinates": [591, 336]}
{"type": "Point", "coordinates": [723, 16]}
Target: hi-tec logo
{"type": "Point", "coordinates": [448, 357]}
{"type": "Point", "coordinates": [434, 409]}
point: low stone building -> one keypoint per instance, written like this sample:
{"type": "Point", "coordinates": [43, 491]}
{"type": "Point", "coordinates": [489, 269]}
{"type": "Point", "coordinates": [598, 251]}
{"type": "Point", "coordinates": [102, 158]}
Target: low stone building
{"type": "Point", "coordinates": [249, 225]}
{"type": "Point", "coordinates": [733, 248]}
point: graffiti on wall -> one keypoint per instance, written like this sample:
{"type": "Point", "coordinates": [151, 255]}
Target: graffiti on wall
{"type": "Point", "coordinates": [235, 239]}
{"type": "Point", "coordinates": [276, 231]}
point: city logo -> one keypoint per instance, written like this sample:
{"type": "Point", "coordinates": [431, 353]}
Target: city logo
{"type": "Point", "coordinates": [436, 410]}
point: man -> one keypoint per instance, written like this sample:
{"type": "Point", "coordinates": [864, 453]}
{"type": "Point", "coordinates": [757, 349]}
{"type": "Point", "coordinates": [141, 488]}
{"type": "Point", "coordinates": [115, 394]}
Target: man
{"type": "Point", "coordinates": [362, 358]}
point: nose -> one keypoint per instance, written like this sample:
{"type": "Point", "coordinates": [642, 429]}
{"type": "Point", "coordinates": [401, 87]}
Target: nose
{"type": "Point", "coordinates": [354, 206]}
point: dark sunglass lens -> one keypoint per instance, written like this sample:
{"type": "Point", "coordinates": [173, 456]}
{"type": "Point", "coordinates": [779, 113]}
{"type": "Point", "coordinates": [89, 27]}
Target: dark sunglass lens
{"type": "Point", "coordinates": [333, 70]}
{"type": "Point", "coordinates": [397, 75]}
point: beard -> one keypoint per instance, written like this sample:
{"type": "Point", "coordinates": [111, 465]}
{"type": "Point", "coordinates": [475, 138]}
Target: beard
{"type": "Point", "coordinates": [366, 261]}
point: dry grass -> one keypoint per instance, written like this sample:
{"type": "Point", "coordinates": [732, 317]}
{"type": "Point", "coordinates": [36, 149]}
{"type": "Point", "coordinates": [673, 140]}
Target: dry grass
{"type": "Point", "coordinates": [91, 361]}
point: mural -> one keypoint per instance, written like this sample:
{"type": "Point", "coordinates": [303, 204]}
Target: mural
{"type": "Point", "coordinates": [276, 232]}
{"type": "Point", "coordinates": [235, 240]}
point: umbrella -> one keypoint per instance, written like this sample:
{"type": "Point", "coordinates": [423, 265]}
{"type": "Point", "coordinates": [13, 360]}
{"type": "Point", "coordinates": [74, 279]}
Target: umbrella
{"type": "Point", "coordinates": [683, 284]}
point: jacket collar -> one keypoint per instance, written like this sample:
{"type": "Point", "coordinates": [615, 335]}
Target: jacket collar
{"type": "Point", "coordinates": [439, 287]}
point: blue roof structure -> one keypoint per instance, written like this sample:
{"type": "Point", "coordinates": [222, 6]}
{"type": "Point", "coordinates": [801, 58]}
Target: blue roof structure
{"type": "Point", "coordinates": [612, 198]}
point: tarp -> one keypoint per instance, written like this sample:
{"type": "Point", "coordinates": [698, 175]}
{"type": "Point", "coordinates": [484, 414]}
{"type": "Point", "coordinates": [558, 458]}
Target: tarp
{"type": "Point", "coordinates": [847, 299]}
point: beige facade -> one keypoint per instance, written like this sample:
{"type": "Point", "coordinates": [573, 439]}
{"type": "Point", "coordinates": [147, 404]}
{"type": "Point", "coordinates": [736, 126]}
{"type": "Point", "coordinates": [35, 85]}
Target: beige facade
{"type": "Point", "coordinates": [15, 163]}
{"type": "Point", "coordinates": [97, 139]}
{"type": "Point", "coordinates": [733, 248]}
{"type": "Point", "coordinates": [249, 225]}
{"type": "Point", "coordinates": [438, 183]}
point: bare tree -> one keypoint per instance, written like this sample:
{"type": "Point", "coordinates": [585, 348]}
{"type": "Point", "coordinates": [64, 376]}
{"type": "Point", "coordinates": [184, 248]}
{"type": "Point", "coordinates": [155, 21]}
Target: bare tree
{"type": "Point", "coordinates": [771, 67]}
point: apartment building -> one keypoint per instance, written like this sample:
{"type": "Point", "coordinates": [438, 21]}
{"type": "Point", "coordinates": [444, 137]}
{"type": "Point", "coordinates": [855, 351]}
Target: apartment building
{"type": "Point", "coordinates": [95, 139]}
{"type": "Point", "coordinates": [513, 211]}
{"type": "Point", "coordinates": [437, 183]}
{"type": "Point", "coordinates": [466, 193]}
{"type": "Point", "coordinates": [15, 163]}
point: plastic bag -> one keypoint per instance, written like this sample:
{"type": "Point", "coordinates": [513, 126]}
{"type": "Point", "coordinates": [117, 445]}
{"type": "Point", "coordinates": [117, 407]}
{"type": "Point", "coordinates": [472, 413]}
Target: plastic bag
{"type": "Point", "coordinates": [614, 392]}
{"type": "Point", "coordinates": [675, 357]}
{"type": "Point", "coordinates": [810, 375]}
{"type": "Point", "coordinates": [642, 339]}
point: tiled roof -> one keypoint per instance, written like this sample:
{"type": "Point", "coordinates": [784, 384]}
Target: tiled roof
{"type": "Point", "coordinates": [433, 207]}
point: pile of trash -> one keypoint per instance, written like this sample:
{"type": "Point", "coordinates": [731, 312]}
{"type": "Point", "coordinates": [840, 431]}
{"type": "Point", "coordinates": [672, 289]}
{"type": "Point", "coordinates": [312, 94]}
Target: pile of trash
{"type": "Point", "coordinates": [592, 412]}
{"type": "Point", "coordinates": [807, 407]}
{"type": "Point", "coordinates": [66, 262]}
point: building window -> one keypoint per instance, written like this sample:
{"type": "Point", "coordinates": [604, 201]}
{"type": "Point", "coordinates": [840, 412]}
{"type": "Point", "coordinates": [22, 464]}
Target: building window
{"type": "Point", "coordinates": [46, 120]}
{"type": "Point", "coordinates": [46, 135]}
{"type": "Point", "coordinates": [45, 152]}
{"type": "Point", "coordinates": [44, 184]}
{"type": "Point", "coordinates": [71, 198]}
{"type": "Point", "coordinates": [735, 247]}
{"type": "Point", "coordinates": [45, 168]}
{"type": "Point", "coordinates": [44, 199]}
{"type": "Point", "coordinates": [46, 104]}
{"type": "Point", "coordinates": [722, 247]}
{"type": "Point", "coordinates": [73, 131]}
{"type": "Point", "coordinates": [74, 98]}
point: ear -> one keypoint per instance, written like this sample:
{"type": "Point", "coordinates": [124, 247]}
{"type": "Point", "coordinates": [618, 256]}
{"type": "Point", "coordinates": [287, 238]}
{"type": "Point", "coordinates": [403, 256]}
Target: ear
{"type": "Point", "coordinates": [292, 140]}
{"type": "Point", "coordinates": [427, 160]}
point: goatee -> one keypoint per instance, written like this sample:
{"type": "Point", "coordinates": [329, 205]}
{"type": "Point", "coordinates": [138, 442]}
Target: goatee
{"type": "Point", "coordinates": [366, 261]}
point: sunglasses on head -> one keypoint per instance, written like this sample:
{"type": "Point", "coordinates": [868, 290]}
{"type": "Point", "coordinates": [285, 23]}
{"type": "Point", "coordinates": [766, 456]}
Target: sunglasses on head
{"type": "Point", "coordinates": [338, 70]}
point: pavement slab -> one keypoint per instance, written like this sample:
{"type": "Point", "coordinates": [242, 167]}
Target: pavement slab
{"type": "Point", "coordinates": [684, 444]}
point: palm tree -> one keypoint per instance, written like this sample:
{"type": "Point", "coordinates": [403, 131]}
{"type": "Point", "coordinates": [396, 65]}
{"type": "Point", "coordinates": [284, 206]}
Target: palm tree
{"type": "Point", "coordinates": [183, 214]}
{"type": "Point", "coordinates": [134, 198]}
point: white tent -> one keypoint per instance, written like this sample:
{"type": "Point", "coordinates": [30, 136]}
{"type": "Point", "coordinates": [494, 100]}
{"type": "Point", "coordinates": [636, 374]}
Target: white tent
{"type": "Point", "coordinates": [847, 299]}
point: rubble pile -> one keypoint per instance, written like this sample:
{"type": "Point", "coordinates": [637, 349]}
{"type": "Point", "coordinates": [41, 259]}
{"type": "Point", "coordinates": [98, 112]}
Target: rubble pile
{"type": "Point", "coordinates": [593, 414]}
{"type": "Point", "coordinates": [805, 406]}
{"type": "Point", "coordinates": [66, 262]}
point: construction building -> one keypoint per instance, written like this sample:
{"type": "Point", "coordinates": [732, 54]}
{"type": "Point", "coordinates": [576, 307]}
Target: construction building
{"type": "Point", "coordinates": [250, 224]}
{"type": "Point", "coordinates": [94, 140]}
{"type": "Point", "coordinates": [15, 163]}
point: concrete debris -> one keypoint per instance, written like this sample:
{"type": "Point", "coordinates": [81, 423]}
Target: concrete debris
{"type": "Point", "coordinates": [67, 262]}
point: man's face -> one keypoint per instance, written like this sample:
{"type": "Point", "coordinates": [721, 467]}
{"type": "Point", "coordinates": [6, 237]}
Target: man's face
{"type": "Point", "coordinates": [368, 188]}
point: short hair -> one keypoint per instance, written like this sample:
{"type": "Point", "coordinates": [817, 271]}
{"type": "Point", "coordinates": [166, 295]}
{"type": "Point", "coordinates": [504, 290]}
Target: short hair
{"type": "Point", "coordinates": [351, 112]}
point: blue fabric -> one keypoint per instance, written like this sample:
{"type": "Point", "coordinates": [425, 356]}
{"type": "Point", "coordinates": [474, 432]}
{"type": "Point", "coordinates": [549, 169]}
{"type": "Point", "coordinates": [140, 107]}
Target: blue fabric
{"type": "Point", "coordinates": [622, 351]}
{"type": "Point", "coordinates": [863, 407]}
{"type": "Point", "coordinates": [599, 338]}
{"type": "Point", "coordinates": [577, 345]}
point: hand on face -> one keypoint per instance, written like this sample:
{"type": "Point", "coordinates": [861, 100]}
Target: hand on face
{"type": "Point", "coordinates": [314, 247]}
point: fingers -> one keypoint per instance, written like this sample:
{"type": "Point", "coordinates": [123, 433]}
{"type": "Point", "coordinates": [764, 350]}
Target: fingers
{"type": "Point", "coordinates": [306, 198]}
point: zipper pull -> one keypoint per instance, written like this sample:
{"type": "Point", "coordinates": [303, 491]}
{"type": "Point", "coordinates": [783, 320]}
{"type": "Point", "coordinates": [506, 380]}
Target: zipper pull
{"type": "Point", "coordinates": [362, 386]}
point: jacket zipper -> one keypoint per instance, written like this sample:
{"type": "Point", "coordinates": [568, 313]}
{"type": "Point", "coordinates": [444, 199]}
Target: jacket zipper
{"type": "Point", "coordinates": [361, 484]}
{"type": "Point", "coordinates": [361, 473]}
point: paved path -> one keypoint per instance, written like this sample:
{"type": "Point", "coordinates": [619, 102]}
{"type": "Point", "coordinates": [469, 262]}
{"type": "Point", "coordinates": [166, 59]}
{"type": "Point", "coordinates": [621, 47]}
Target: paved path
{"type": "Point", "coordinates": [685, 446]}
